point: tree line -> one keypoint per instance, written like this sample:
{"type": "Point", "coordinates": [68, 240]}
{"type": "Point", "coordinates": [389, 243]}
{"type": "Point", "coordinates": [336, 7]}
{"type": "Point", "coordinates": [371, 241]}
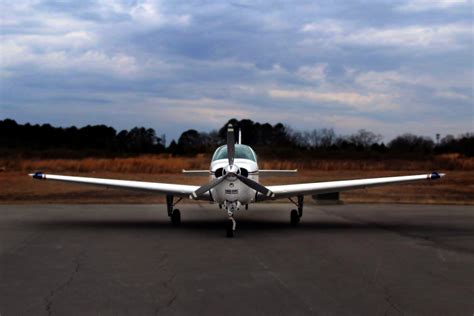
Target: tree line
{"type": "Point", "coordinates": [89, 140]}
{"type": "Point", "coordinates": [276, 141]}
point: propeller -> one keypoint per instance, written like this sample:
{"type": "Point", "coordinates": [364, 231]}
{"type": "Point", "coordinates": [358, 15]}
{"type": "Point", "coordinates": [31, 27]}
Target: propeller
{"type": "Point", "coordinates": [232, 171]}
{"type": "Point", "coordinates": [256, 186]}
{"type": "Point", "coordinates": [230, 144]}
{"type": "Point", "coordinates": [203, 189]}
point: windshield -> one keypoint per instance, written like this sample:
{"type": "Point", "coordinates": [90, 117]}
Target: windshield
{"type": "Point", "coordinates": [241, 151]}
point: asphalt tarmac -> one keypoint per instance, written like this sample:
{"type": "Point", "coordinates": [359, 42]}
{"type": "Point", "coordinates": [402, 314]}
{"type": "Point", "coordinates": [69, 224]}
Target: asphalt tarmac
{"type": "Point", "coordinates": [341, 260]}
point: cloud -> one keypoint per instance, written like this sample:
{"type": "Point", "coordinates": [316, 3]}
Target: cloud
{"type": "Point", "coordinates": [342, 64]}
{"type": "Point", "coordinates": [405, 82]}
{"type": "Point", "coordinates": [313, 72]}
{"type": "Point", "coordinates": [205, 110]}
{"type": "Point", "coordinates": [39, 43]}
{"type": "Point", "coordinates": [14, 55]}
{"type": "Point", "coordinates": [386, 80]}
{"type": "Point", "coordinates": [329, 27]}
{"type": "Point", "coordinates": [147, 13]}
{"type": "Point", "coordinates": [413, 36]}
{"type": "Point", "coordinates": [440, 36]}
{"type": "Point", "coordinates": [453, 96]}
{"type": "Point", "coordinates": [366, 103]}
{"type": "Point", "coordinates": [426, 5]}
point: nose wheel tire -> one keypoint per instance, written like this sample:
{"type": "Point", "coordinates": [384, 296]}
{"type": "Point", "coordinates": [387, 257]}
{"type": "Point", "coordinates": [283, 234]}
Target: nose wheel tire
{"type": "Point", "coordinates": [295, 217]}
{"type": "Point", "coordinates": [229, 229]}
{"type": "Point", "coordinates": [176, 217]}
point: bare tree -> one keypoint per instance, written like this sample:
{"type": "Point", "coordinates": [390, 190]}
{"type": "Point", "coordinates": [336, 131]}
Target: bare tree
{"type": "Point", "coordinates": [364, 138]}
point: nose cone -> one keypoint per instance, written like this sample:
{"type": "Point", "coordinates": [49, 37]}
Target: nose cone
{"type": "Point", "coordinates": [232, 169]}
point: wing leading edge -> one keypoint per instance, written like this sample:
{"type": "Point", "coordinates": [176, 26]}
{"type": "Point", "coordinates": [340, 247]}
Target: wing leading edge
{"type": "Point", "coordinates": [280, 191]}
{"type": "Point", "coordinates": [178, 190]}
{"type": "Point", "coordinates": [291, 190]}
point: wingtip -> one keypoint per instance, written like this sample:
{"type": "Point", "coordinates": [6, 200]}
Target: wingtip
{"type": "Point", "coordinates": [37, 175]}
{"type": "Point", "coordinates": [435, 175]}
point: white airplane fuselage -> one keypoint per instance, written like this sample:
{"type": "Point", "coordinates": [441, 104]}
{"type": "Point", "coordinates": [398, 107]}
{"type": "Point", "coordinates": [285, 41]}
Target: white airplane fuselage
{"type": "Point", "coordinates": [232, 189]}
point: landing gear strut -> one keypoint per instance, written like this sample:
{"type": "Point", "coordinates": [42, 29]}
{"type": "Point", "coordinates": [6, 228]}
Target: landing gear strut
{"type": "Point", "coordinates": [231, 207]}
{"type": "Point", "coordinates": [173, 213]}
{"type": "Point", "coordinates": [296, 215]}
{"type": "Point", "coordinates": [230, 227]}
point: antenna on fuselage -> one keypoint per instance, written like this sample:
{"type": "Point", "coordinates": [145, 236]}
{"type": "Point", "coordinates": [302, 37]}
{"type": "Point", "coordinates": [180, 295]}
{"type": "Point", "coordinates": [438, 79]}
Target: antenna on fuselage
{"type": "Point", "coordinates": [240, 137]}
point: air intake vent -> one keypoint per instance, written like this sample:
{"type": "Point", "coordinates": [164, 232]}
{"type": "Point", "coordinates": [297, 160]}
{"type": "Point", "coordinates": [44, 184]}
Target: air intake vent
{"type": "Point", "coordinates": [219, 172]}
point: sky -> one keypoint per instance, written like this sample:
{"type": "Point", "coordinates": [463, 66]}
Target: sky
{"type": "Point", "coordinates": [390, 67]}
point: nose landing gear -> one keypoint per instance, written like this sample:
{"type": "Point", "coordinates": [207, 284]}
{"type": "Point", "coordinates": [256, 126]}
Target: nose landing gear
{"type": "Point", "coordinates": [230, 227]}
{"type": "Point", "coordinates": [231, 207]}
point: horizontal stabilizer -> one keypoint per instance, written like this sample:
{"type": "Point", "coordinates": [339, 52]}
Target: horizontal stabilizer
{"type": "Point", "coordinates": [274, 172]}
{"type": "Point", "coordinates": [196, 172]}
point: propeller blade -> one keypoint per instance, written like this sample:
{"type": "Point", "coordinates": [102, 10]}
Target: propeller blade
{"type": "Point", "coordinates": [203, 189]}
{"type": "Point", "coordinates": [256, 186]}
{"type": "Point", "coordinates": [230, 144]}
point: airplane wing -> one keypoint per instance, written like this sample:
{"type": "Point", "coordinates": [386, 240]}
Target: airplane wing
{"type": "Point", "coordinates": [178, 190]}
{"type": "Point", "coordinates": [291, 190]}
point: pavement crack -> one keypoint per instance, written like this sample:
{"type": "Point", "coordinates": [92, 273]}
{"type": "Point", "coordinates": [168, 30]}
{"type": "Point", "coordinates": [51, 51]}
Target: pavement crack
{"type": "Point", "coordinates": [171, 301]}
{"type": "Point", "coordinates": [389, 299]}
{"type": "Point", "coordinates": [169, 289]}
{"type": "Point", "coordinates": [373, 282]}
{"type": "Point", "coordinates": [48, 300]}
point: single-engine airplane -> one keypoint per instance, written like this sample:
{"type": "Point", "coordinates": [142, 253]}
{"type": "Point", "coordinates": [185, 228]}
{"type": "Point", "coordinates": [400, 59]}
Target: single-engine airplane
{"type": "Point", "coordinates": [235, 183]}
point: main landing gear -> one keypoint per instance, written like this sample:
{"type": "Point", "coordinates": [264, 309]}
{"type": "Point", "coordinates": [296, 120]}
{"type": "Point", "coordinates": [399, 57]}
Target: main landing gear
{"type": "Point", "coordinates": [173, 213]}
{"type": "Point", "coordinates": [296, 215]}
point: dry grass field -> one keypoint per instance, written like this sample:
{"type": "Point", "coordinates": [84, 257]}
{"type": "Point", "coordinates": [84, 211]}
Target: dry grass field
{"type": "Point", "coordinates": [16, 187]}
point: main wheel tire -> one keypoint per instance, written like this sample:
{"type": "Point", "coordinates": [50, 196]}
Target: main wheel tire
{"type": "Point", "coordinates": [229, 229]}
{"type": "Point", "coordinates": [176, 217]}
{"type": "Point", "coordinates": [295, 217]}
